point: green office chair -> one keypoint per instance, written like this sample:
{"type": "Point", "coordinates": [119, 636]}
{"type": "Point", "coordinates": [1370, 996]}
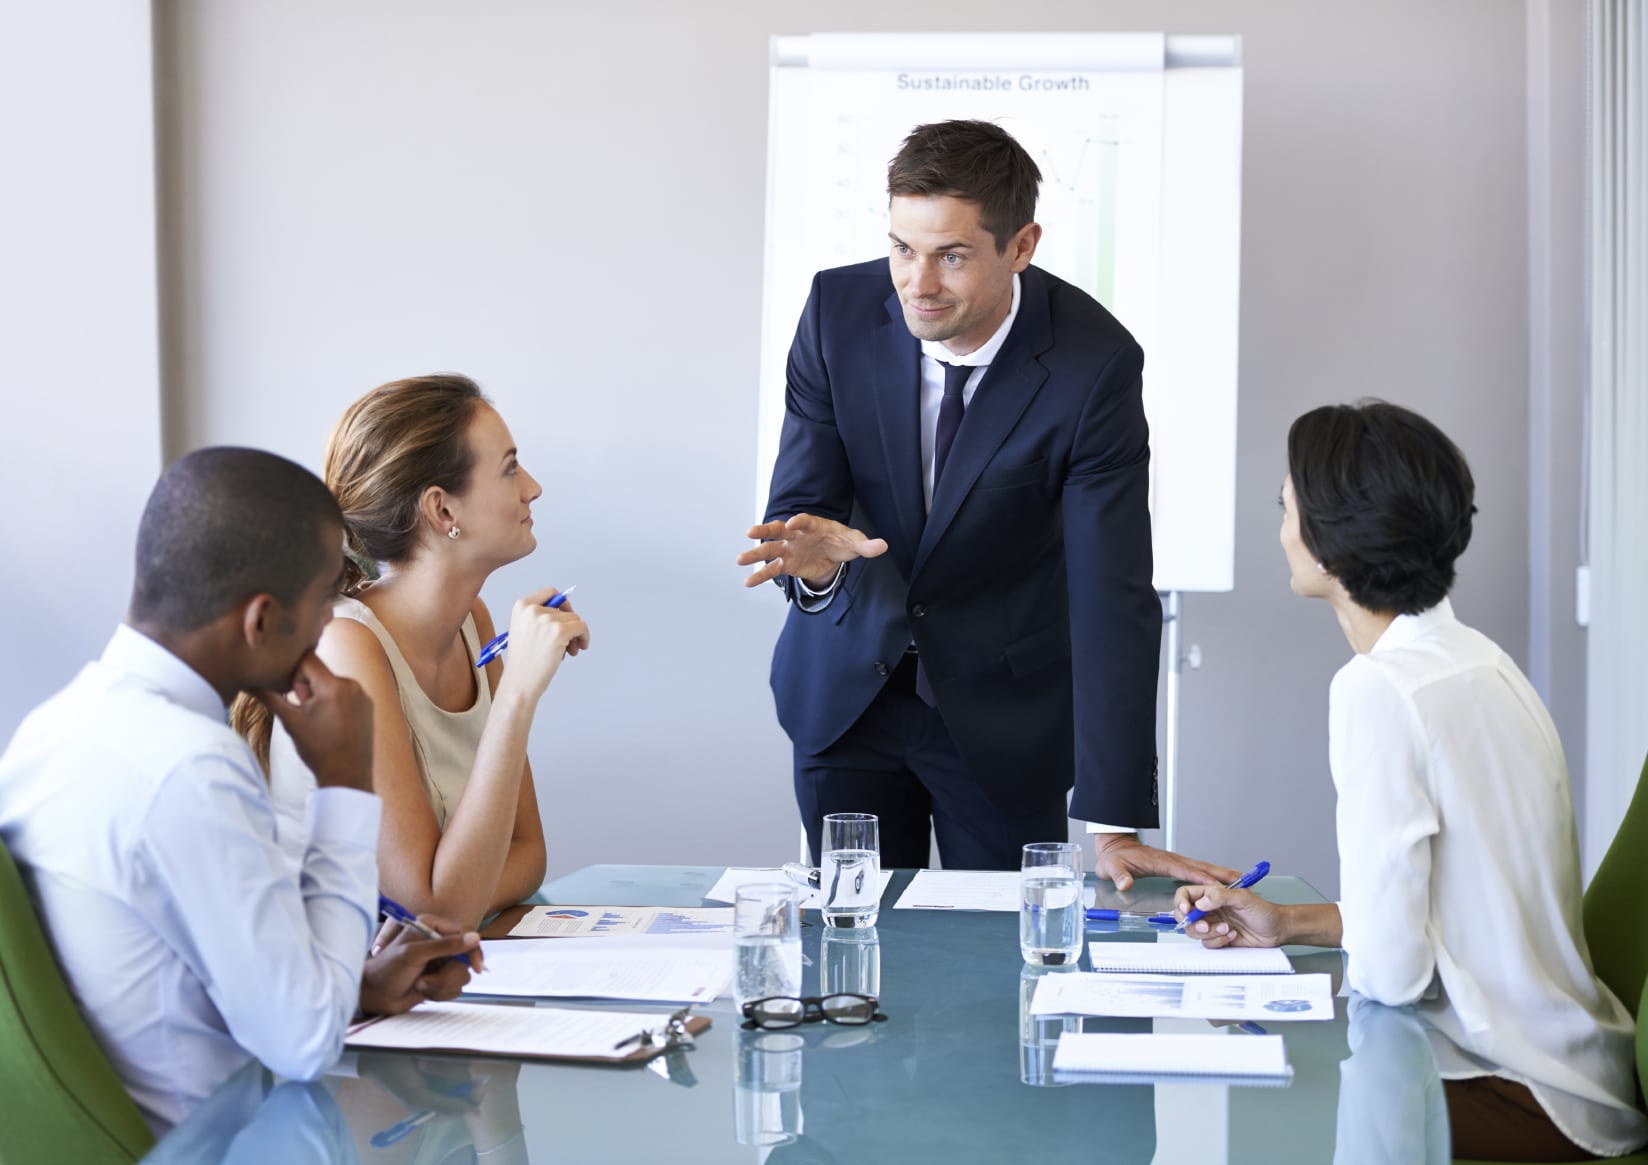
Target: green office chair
{"type": "Point", "coordinates": [63, 1101]}
{"type": "Point", "coordinates": [1619, 947]}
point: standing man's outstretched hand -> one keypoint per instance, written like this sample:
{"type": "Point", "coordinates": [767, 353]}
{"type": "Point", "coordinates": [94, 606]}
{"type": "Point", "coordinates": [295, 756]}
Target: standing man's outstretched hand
{"type": "Point", "coordinates": [808, 547]}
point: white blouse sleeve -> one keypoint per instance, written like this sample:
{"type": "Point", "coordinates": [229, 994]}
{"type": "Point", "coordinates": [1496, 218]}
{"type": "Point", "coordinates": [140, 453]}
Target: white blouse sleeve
{"type": "Point", "coordinates": [1386, 819]}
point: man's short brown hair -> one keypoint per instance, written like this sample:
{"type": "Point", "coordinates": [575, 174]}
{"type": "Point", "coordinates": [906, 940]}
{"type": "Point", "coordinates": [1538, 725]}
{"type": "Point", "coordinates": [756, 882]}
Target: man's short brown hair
{"type": "Point", "coordinates": [975, 160]}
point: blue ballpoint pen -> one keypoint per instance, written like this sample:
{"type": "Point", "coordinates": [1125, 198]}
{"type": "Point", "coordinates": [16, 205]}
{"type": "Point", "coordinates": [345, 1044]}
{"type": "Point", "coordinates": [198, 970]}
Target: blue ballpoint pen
{"type": "Point", "coordinates": [498, 642]}
{"type": "Point", "coordinates": [405, 917]}
{"type": "Point", "coordinates": [1104, 914]}
{"type": "Point", "coordinates": [1246, 881]}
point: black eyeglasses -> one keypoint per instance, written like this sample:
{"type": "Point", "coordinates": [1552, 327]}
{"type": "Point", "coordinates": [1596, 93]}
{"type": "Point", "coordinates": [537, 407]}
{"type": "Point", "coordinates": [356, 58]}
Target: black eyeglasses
{"type": "Point", "coordinates": [780, 1011]}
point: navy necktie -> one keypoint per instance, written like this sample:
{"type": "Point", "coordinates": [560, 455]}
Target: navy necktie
{"type": "Point", "coordinates": [949, 416]}
{"type": "Point", "coordinates": [949, 420]}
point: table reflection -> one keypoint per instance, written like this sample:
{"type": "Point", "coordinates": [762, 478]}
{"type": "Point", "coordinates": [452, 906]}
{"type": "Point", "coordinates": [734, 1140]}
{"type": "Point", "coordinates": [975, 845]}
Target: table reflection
{"type": "Point", "coordinates": [381, 1107]}
{"type": "Point", "coordinates": [1039, 1034]}
{"type": "Point", "coordinates": [1391, 1106]}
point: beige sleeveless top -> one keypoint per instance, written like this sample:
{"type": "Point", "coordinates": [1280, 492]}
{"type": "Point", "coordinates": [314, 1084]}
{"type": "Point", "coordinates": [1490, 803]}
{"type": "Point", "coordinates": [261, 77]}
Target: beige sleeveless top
{"type": "Point", "coordinates": [443, 743]}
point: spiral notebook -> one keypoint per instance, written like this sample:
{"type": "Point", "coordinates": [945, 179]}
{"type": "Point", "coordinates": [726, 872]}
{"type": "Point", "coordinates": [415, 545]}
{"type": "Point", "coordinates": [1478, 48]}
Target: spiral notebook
{"type": "Point", "coordinates": [1186, 958]}
{"type": "Point", "coordinates": [1153, 1055]}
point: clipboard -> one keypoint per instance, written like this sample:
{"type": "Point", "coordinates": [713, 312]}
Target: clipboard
{"type": "Point", "coordinates": [530, 1033]}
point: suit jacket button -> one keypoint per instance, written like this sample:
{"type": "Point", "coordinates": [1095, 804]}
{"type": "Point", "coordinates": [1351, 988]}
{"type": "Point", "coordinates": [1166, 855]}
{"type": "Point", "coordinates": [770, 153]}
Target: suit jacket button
{"type": "Point", "coordinates": [919, 610]}
{"type": "Point", "coordinates": [881, 668]}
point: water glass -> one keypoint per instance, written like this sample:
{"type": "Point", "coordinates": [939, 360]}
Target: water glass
{"type": "Point", "coordinates": [767, 1088]}
{"type": "Point", "coordinates": [850, 876]}
{"type": "Point", "coordinates": [1050, 904]}
{"type": "Point", "coordinates": [766, 924]}
{"type": "Point", "coordinates": [850, 962]}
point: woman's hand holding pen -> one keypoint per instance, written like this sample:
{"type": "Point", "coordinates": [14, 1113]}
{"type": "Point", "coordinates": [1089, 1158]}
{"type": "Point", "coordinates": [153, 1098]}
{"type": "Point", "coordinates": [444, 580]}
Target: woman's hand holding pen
{"type": "Point", "coordinates": [1237, 918]}
{"type": "Point", "coordinates": [404, 968]}
{"type": "Point", "coordinates": [539, 638]}
{"type": "Point", "coordinates": [1241, 918]}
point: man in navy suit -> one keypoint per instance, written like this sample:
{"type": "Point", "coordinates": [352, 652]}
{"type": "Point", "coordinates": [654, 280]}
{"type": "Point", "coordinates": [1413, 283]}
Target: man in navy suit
{"type": "Point", "coordinates": [959, 517]}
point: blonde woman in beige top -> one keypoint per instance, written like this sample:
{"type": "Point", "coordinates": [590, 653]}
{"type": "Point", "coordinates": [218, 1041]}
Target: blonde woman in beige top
{"type": "Point", "coordinates": [434, 499]}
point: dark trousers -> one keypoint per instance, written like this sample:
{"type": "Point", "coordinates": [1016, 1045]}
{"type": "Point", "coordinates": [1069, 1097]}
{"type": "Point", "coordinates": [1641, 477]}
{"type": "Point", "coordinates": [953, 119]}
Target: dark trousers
{"type": "Point", "coordinates": [1496, 1119]}
{"type": "Point", "coordinates": [899, 762]}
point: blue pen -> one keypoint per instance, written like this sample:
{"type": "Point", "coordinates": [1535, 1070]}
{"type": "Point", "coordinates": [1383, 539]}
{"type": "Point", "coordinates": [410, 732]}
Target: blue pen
{"type": "Point", "coordinates": [1246, 881]}
{"type": "Point", "coordinates": [497, 643]}
{"type": "Point", "coordinates": [1252, 1028]}
{"type": "Point", "coordinates": [400, 1130]}
{"type": "Point", "coordinates": [1102, 914]}
{"type": "Point", "coordinates": [405, 917]}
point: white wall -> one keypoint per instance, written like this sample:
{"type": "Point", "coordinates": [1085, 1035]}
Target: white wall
{"type": "Point", "coordinates": [1557, 340]}
{"type": "Point", "coordinates": [80, 434]}
{"type": "Point", "coordinates": [566, 202]}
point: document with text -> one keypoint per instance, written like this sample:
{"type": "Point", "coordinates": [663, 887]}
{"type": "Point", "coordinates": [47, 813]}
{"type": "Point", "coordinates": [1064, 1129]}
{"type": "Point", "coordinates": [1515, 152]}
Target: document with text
{"type": "Point", "coordinates": [961, 890]}
{"type": "Point", "coordinates": [616, 969]}
{"type": "Point", "coordinates": [597, 921]}
{"type": "Point", "coordinates": [1233, 997]}
{"type": "Point", "coordinates": [551, 1032]}
{"type": "Point", "coordinates": [726, 886]}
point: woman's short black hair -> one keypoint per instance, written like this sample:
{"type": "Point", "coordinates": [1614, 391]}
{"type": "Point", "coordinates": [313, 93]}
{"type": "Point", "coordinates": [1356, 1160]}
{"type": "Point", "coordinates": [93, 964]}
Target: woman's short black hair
{"type": "Point", "coordinates": [1385, 502]}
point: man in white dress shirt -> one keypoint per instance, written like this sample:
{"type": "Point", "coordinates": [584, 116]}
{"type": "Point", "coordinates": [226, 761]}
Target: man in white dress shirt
{"type": "Point", "coordinates": [143, 826]}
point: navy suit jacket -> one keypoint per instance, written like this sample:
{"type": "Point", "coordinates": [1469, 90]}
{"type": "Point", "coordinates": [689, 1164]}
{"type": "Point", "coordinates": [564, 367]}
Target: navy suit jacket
{"type": "Point", "coordinates": [1027, 588]}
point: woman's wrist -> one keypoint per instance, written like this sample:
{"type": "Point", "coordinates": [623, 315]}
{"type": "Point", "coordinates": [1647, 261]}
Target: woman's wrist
{"type": "Point", "coordinates": [512, 698]}
{"type": "Point", "coordinates": [1311, 925]}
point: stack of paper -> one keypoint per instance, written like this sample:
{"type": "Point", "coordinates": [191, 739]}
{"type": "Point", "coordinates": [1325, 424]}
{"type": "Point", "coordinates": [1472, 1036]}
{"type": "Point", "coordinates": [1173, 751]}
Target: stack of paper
{"type": "Point", "coordinates": [671, 969]}
{"type": "Point", "coordinates": [1148, 1057]}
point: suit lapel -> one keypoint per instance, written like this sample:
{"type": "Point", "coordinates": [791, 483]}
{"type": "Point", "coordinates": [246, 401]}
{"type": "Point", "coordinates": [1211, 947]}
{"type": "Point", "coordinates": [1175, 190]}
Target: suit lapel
{"type": "Point", "coordinates": [897, 389]}
{"type": "Point", "coordinates": [1009, 385]}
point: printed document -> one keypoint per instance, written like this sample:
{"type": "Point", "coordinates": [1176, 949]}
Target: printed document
{"type": "Point", "coordinates": [591, 921]}
{"type": "Point", "coordinates": [1233, 997]}
{"type": "Point", "coordinates": [671, 970]}
{"type": "Point", "coordinates": [961, 890]}
{"type": "Point", "coordinates": [508, 1031]}
{"type": "Point", "coordinates": [726, 886]}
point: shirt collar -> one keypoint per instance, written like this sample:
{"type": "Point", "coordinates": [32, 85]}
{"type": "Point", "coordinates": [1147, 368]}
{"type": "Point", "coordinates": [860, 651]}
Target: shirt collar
{"type": "Point", "coordinates": [133, 653]}
{"type": "Point", "coordinates": [1405, 629]}
{"type": "Point", "coordinates": [985, 352]}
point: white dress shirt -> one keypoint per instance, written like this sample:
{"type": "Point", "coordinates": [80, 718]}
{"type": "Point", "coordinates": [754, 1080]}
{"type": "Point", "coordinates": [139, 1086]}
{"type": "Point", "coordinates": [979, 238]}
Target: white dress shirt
{"type": "Point", "coordinates": [934, 356]}
{"type": "Point", "coordinates": [1459, 866]}
{"type": "Point", "coordinates": [144, 830]}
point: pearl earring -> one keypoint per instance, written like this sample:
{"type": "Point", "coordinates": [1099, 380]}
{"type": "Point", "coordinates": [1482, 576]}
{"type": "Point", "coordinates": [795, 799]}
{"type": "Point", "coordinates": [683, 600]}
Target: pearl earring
{"type": "Point", "coordinates": [1319, 566]}
{"type": "Point", "coordinates": [453, 533]}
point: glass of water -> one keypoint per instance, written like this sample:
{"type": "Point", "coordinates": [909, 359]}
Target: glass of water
{"type": "Point", "coordinates": [1050, 904]}
{"type": "Point", "coordinates": [850, 876]}
{"type": "Point", "coordinates": [766, 924]}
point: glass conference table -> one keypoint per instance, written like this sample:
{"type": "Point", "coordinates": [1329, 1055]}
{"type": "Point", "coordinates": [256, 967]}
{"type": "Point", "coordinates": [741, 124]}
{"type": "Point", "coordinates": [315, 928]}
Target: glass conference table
{"type": "Point", "coordinates": [960, 1072]}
